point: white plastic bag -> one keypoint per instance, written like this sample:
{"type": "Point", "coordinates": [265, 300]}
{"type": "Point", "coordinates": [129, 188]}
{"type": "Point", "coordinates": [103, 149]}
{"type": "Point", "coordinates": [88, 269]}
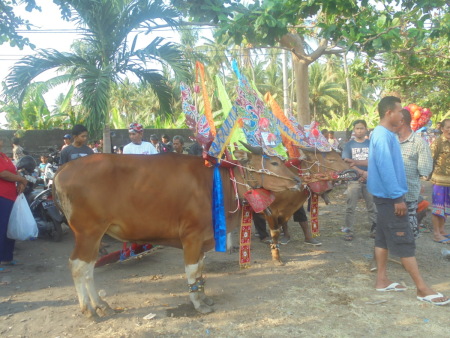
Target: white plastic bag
{"type": "Point", "coordinates": [21, 225]}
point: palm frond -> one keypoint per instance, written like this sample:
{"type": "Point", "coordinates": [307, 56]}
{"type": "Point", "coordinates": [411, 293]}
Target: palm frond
{"type": "Point", "coordinates": [167, 54]}
{"type": "Point", "coordinates": [159, 85]}
{"type": "Point", "coordinates": [29, 67]}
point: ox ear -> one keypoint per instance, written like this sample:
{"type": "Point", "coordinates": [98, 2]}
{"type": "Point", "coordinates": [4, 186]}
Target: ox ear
{"type": "Point", "coordinates": [242, 156]}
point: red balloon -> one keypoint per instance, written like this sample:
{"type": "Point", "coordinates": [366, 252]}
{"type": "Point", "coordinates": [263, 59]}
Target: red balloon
{"type": "Point", "coordinates": [315, 132]}
{"type": "Point", "coordinates": [417, 114]}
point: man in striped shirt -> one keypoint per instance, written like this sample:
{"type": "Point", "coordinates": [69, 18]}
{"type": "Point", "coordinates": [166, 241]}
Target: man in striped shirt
{"type": "Point", "coordinates": [418, 163]}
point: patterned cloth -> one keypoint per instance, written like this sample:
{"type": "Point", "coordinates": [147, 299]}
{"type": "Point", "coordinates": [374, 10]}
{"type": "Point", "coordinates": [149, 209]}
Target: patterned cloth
{"type": "Point", "coordinates": [440, 150]}
{"type": "Point", "coordinates": [412, 218]}
{"type": "Point", "coordinates": [418, 162]}
{"type": "Point", "coordinates": [441, 201]}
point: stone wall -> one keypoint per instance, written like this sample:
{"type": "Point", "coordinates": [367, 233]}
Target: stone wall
{"type": "Point", "coordinates": [37, 142]}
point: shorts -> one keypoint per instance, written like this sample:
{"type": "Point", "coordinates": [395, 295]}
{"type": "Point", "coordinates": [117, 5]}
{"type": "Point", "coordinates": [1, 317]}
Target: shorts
{"type": "Point", "coordinates": [300, 215]}
{"type": "Point", "coordinates": [393, 232]}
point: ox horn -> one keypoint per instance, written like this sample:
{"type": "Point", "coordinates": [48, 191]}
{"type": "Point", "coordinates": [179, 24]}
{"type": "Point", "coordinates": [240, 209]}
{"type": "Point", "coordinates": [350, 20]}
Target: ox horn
{"type": "Point", "coordinates": [308, 149]}
{"type": "Point", "coordinates": [252, 149]}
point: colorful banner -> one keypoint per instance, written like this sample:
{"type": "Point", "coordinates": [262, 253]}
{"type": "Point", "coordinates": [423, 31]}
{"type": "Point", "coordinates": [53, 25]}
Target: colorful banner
{"type": "Point", "coordinates": [200, 69]}
{"type": "Point", "coordinates": [196, 122]}
{"type": "Point", "coordinates": [245, 236]}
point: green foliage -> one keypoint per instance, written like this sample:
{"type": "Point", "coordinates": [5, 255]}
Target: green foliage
{"type": "Point", "coordinates": [9, 23]}
{"type": "Point", "coordinates": [344, 122]}
{"type": "Point", "coordinates": [104, 56]}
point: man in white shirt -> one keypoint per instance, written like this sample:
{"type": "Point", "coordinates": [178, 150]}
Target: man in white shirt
{"type": "Point", "coordinates": [137, 146]}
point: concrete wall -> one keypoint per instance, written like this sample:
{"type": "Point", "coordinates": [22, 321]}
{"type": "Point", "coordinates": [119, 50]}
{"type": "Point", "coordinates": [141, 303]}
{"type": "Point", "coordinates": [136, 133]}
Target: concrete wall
{"type": "Point", "coordinates": [37, 142]}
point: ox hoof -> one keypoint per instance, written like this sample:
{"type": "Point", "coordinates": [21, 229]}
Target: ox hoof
{"type": "Point", "coordinates": [207, 300]}
{"type": "Point", "coordinates": [89, 312]}
{"type": "Point", "coordinates": [203, 308]}
{"type": "Point", "coordinates": [105, 311]}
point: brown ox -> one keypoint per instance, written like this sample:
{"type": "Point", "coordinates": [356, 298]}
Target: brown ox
{"type": "Point", "coordinates": [288, 202]}
{"type": "Point", "coordinates": [115, 195]}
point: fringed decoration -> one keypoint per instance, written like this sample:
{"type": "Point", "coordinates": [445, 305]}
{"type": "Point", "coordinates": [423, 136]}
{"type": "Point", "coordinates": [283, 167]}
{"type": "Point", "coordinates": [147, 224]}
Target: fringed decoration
{"type": "Point", "coordinates": [245, 238]}
{"type": "Point", "coordinates": [315, 215]}
{"type": "Point", "coordinates": [218, 212]}
{"type": "Point", "coordinates": [200, 68]}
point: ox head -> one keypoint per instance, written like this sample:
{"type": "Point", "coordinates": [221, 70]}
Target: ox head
{"type": "Point", "coordinates": [318, 161]}
{"type": "Point", "coordinates": [268, 172]}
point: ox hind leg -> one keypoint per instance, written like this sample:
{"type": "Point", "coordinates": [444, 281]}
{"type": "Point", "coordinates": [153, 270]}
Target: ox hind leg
{"type": "Point", "coordinates": [194, 262]}
{"type": "Point", "coordinates": [82, 263]}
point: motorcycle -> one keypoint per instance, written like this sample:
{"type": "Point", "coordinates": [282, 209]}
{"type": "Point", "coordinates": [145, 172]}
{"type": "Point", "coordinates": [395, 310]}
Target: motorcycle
{"type": "Point", "coordinates": [48, 217]}
{"type": "Point", "coordinates": [51, 168]}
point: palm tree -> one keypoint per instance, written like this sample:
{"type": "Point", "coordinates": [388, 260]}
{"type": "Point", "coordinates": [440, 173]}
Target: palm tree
{"type": "Point", "coordinates": [105, 57]}
{"type": "Point", "coordinates": [324, 92]}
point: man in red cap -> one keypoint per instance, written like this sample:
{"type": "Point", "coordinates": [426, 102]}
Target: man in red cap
{"type": "Point", "coordinates": [137, 146]}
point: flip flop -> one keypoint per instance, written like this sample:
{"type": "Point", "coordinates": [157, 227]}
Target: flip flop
{"type": "Point", "coordinates": [448, 235]}
{"type": "Point", "coordinates": [392, 287]}
{"type": "Point", "coordinates": [429, 299]}
{"type": "Point", "coordinates": [314, 242]}
{"type": "Point", "coordinates": [443, 241]}
{"type": "Point", "coordinates": [3, 270]}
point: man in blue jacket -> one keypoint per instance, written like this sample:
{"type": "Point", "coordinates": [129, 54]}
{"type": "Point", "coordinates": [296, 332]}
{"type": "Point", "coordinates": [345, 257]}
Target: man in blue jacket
{"type": "Point", "coordinates": [387, 183]}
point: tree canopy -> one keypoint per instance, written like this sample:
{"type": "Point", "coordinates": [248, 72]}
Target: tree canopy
{"type": "Point", "coordinates": [332, 26]}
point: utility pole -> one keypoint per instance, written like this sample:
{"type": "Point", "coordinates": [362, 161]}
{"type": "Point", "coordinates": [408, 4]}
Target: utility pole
{"type": "Point", "coordinates": [347, 82]}
{"type": "Point", "coordinates": [285, 83]}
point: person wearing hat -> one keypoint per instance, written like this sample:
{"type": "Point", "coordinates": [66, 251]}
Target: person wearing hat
{"type": "Point", "coordinates": [78, 148]}
{"type": "Point", "coordinates": [137, 145]}
{"type": "Point", "coordinates": [67, 140]}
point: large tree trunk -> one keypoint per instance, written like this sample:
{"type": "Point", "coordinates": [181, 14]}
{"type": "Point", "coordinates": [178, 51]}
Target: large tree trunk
{"type": "Point", "coordinates": [302, 90]}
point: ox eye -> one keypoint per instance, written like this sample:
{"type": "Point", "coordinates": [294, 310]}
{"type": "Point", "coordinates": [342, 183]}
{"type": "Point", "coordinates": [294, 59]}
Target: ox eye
{"type": "Point", "coordinates": [274, 163]}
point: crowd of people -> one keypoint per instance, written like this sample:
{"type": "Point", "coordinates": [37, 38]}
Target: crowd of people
{"type": "Point", "coordinates": [391, 162]}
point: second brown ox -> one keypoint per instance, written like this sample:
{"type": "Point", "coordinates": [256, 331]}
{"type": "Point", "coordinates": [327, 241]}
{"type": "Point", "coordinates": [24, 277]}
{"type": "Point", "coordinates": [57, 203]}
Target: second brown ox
{"type": "Point", "coordinates": [287, 202]}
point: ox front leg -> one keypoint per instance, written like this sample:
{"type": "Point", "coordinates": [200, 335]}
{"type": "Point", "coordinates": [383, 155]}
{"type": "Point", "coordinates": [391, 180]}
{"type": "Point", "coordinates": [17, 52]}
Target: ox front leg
{"type": "Point", "coordinates": [275, 246]}
{"type": "Point", "coordinates": [275, 234]}
{"type": "Point", "coordinates": [196, 288]}
{"type": "Point", "coordinates": [90, 302]}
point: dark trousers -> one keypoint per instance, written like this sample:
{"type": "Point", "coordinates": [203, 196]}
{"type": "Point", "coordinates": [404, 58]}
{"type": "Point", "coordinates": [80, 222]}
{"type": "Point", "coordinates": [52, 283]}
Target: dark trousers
{"type": "Point", "coordinates": [6, 244]}
{"type": "Point", "coordinates": [260, 225]}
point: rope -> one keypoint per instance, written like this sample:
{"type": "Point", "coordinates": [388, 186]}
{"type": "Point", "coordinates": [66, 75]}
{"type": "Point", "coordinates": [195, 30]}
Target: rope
{"type": "Point", "coordinates": [260, 171]}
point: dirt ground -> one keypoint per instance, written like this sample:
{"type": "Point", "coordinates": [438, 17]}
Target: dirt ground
{"type": "Point", "coordinates": [325, 291]}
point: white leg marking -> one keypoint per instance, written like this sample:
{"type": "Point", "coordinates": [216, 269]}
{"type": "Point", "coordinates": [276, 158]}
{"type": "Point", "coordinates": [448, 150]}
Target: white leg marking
{"type": "Point", "coordinates": [191, 272]}
{"type": "Point", "coordinates": [79, 270]}
{"type": "Point", "coordinates": [229, 242]}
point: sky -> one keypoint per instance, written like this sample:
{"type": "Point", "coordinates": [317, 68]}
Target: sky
{"type": "Point", "coordinates": [47, 20]}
